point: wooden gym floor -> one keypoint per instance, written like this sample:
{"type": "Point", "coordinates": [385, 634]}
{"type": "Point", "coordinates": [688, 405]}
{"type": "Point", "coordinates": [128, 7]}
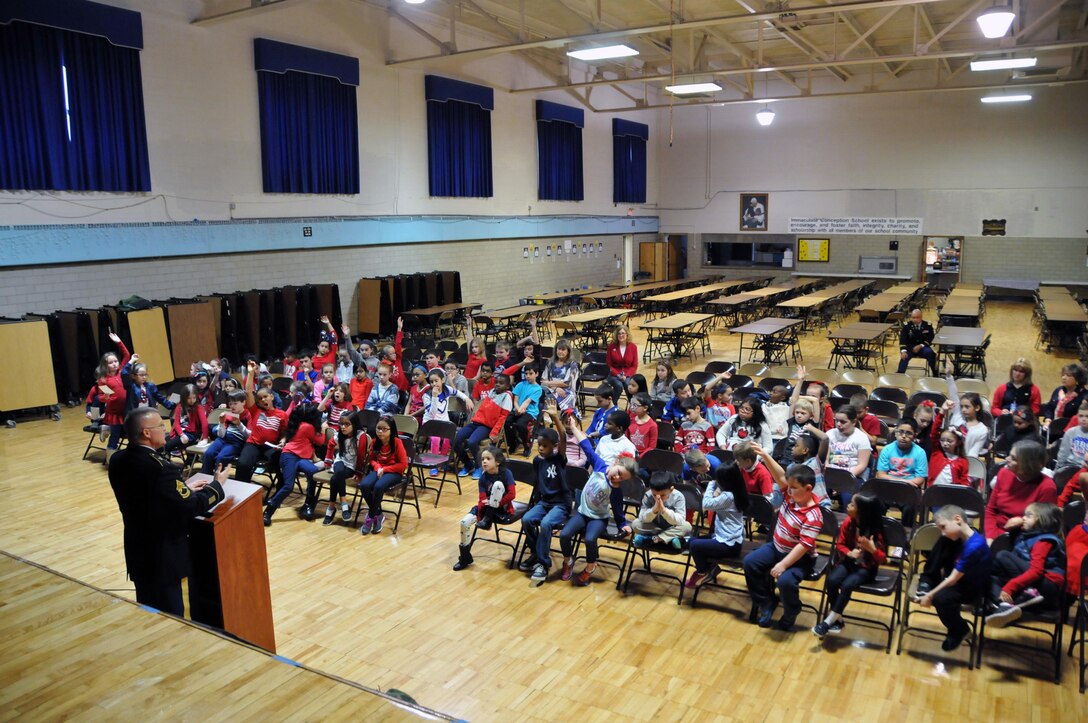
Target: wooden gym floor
{"type": "Point", "coordinates": [481, 644]}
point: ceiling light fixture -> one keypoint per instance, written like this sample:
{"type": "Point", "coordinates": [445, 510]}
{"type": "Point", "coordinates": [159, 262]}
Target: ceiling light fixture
{"type": "Point", "coordinates": [766, 116]}
{"type": "Point", "coordinates": [1003, 64]}
{"type": "Point", "coordinates": [996, 21]}
{"type": "Point", "coordinates": [689, 88]}
{"type": "Point", "coordinates": [415, 2]}
{"type": "Point", "coordinates": [603, 53]}
{"type": "Point", "coordinates": [1019, 98]}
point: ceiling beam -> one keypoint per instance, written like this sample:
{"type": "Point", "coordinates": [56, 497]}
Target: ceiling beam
{"type": "Point", "coordinates": [618, 33]}
{"type": "Point", "coordinates": [797, 67]}
{"type": "Point", "coordinates": [234, 14]}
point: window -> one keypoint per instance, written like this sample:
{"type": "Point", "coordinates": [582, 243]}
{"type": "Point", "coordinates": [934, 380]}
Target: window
{"type": "Point", "coordinates": [72, 117]}
{"type": "Point", "coordinates": [629, 161]}
{"type": "Point", "coordinates": [459, 137]}
{"type": "Point", "coordinates": [741, 250]}
{"type": "Point", "coordinates": [559, 152]}
{"type": "Point", "coordinates": [309, 119]}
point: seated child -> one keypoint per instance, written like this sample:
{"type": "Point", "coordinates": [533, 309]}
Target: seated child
{"type": "Point", "coordinates": [1033, 571]}
{"type": "Point", "coordinates": [486, 423]}
{"type": "Point", "coordinates": [663, 517]}
{"type": "Point", "coordinates": [727, 497]}
{"type": "Point", "coordinates": [614, 442]}
{"type": "Point", "coordinates": [695, 432]}
{"type": "Point", "coordinates": [526, 409]}
{"type": "Point", "coordinates": [868, 423]}
{"type": "Point", "coordinates": [861, 551]}
{"type": "Point", "coordinates": [553, 497]}
{"type": "Point", "coordinates": [957, 572]}
{"type": "Point", "coordinates": [485, 381]}
{"type": "Point", "coordinates": [643, 429]}
{"type": "Point", "coordinates": [947, 465]}
{"type": "Point", "coordinates": [746, 425]}
{"type": "Point", "coordinates": [788, 557]}
{"type": "Point", "coordinates": [360, 387]}
{"type": "Point", "coordinates": [495, 503]}
{"type": "Point", "coordinates": [190, 424]}
{"type": "Point", "coordinates": [757, 478]}
{"type": "Point", "coordinates": [600, 497]}
{"type": "Point", "coordinates": [455, 378]}
{"type": "Point", "coordinates": [681, 390]}
{"type": "Point", "coordinates": [776, 411]}
{"type": "Point", "coordinates": [346, 455]}
{"type": "Point", "coordinates": [698, 467]}
{"type": "Point", "coordinates": [231, 432]}
{"type": "Point", "coordinates": [904, 461]}
{"type": "Point", "coordinates": [603, 396]}
{"type": "Point", "coordinates": [385, 396]}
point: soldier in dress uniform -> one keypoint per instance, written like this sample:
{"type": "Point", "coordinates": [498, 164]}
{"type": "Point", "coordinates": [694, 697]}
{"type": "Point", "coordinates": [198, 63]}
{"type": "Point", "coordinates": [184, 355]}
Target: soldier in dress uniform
{"type": "Point", "coordinates": [156, 505]}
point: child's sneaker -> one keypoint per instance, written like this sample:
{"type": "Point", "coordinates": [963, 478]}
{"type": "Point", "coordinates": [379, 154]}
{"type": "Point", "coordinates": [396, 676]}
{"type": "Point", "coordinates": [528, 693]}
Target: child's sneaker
{"type": "Point", "coordinates": [539, 576]}
{"type": "Point", "coordinates": [103, 432]}
{"type": "Point", "coordinates": [434, 471]}
{"type": "Point", "coordinates": [641, 540]}
{"type": "Point", "coordinates": [582, 579]}
{"type": "Point", "coordinates": [677, 543]}
{"type": "Point", "coordinates": [695, 580]}
{"type": "Point", "coordinates": [476, 474]}
{"type": "Point", "coordinates": [1006, 613]}
{"type": "Point", "coordinates": [954, 641]}
{"type": "Point", "coordinates": [378, 522]}
{"type": "Point", "coordinates": [463, 472]}
{"type": "Point", "coordinates": [330, 515]}
{"type": "Point", "coordinates": [345, 512]}
{"type": "Point", "coordinates": [821, 629]}
{"type": "Point", "coordinates": [527, 564]}
{"type": "Point", "coordinates": [1028, 597]}
{"type": "Point", "coordinates": [837, 626]}
{"type": "Point", "coordinates": [367, 526]}
{"type": "Point", "coordinates": [565, 573]}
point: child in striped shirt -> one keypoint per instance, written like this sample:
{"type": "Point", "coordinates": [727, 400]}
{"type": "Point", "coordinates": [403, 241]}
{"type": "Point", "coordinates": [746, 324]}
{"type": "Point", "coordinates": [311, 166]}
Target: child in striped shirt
{"type": "Point", "coordinates": [788, 558]}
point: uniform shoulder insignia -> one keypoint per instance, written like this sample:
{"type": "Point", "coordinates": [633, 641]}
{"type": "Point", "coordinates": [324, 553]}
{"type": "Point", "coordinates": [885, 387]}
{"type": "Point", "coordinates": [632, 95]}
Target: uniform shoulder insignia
{"type": "Point", "coordinates": [183, 491]}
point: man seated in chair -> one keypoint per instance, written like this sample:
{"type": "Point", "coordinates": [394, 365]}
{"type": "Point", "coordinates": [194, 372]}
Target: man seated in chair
{"type": "Point", "coordinates": [915, 339]}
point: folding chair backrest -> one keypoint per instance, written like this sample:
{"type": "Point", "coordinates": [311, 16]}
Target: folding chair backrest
{"type": "Point", "coordinates": [829, 377]}
{"type": "Point", "coordinates": [576, 477]}
{"type": "Point", "coordinates": [762, 511]}
{"type": "Point", "coordinates": [1073, 515]}
{"type": "Point", "coordinates": [846, 391]}
{"type": "Point", "coordinates": [976, 468]}
{"type": "Point", "coordinates": [693, 498]}
{"type": "Point", "coordinates": [369, 418]}
{"type": "Point", "coordinates": [406, 424]}
{"type": "Point", "coordinates": [660, 459]}
{"type": "Point", "coordinates": [717, 367]}
{"type": "Point", "coordinates": [863, 377]}
{"type": "Point", "coordinates": [1002, 543]}
{"type": "Point", "coordinates": [966, 497]}
{"type": "Point", "coordinates": [697, 379]}
{"type": "Point", "coordinates": [889, 394]}
{"type": "Point", "coordinates": [523, 471]}
{"type": "Point", "coordinates": [752, 369]}
{"type": "Point", "coordinates": [936, 397]}
{"type": "Point", "coordinates": [840, 480]}
{"type": "Point", "coordinates": [633, 491]}
{"type": "Point", "coordinates": [767, 384]}
{"type": "Point", "coordinates": [724, 456]}
{"type": "Point", "coordinates": [435, 428]}
{"type": "Point", "coordinates": [903, 381]}
{"type": "Point", "coordinates": [930, 384]}
{"type": "Point", "coordinates": [783, 372]}
{"type": "Point", "coordinates": [740, 381]}
{"type": "Point", "coordinates": [893, 492]}
{"type": "Point", "coordinates": [887, 411]}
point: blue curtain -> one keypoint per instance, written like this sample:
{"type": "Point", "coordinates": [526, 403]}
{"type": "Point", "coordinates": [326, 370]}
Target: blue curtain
{"type": "Point", "coordinates": [559, 161]}
{"type": "Point", "coordinates": [459, 149]}
{"type": "Point", "coordinates": [628, 161]}
{"type": "Point", "coordinates": [108, 146]}
{"type": "Point", "coordinates": [309, 134]}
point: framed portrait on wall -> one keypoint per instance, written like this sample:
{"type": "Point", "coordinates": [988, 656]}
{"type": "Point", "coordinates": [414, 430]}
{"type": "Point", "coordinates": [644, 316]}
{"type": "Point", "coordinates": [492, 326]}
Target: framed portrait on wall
{"type": "Point", "coordinates": [753, 211]}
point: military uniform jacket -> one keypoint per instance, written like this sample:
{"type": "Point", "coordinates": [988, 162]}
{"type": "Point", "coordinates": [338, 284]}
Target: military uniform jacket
{"type": "Point", "coordinates": [911, 336]}
{"type": "Point", "coordinates": [156, 507]}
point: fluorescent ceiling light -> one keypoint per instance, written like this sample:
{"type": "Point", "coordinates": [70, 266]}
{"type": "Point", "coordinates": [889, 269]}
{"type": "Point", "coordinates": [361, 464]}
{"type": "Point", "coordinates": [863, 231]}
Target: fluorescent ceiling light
{"type": "Point", "coordinates": [415, 2]}
{"type": "Point", "coordinates": [686, 88]}
{"type": "Point", "coordinates": [995, 22]}
{"type": "Point", "coordinates": [1003, 64]}
{"type": "Point", "coordinates": [765, 117]}
{"type": "Point", "coordinates": [1006, 98]}
{"type": "Point", "coordinates": [608, 51]}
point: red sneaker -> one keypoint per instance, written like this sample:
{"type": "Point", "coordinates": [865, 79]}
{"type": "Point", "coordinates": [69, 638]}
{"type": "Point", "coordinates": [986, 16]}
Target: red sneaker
{"type": "Point", "coordinates": [564, 575]}
{"type": "Point", "coordinates": [582, 579]}
{"type": "Point", "coordinates": [695, 580]}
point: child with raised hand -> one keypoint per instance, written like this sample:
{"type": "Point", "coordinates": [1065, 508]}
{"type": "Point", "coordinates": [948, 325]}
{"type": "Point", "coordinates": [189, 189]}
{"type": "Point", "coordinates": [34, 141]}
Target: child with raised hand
{"type": "Point", "coordinates": [486, 423]}
{"type": "Point", "coordinates": [231, 433]}
{"type": "Point", "coordinates": [477, 355]}
{"type": "Point", "coordinates": [364, 356]}
{"type": "Point", "coordinates": [643, 430]}
{"type": "Point", "coordinates": [552, 495]}
{"type": "Point", "coordinates": [817, 392]}
{"type": "Point", "coordinates": [662, 518]}
{"type": "Point", "coordinates": [327, 347]}
{"type": "Point", "coordinates": [495, 503]}
{"type": "Point", "coordinates": [346, 455]}
{"type": "Point", "coordinates": [976, 436]}
{"type": "Point", "coordinates": [385, 396]}
{"type": "Point", "coordinates": [303, 436]}
{"type": "Point", "coordinates": [661, 388]}
{"type": "Point", "coordinates": [388, 463]}
{"type": "Point", "coordinates": [142, 392]}
{"type": "Point", "coordinates": [788, 557]}
{"type": "Point", "coordinates": [727, 497]}
{"type": "Point", "coordinates": [862, 550]}
{"type": "Point", "coordinates": [956, 573]}
{"type": "Point", "coordinates": [267, 424]}
{"type": "Point", "coordinates": [416, 392]}
{"type": "Point", "coordinates": [1031, 573]}
{"type": "Point", "coordinates": [719, 403]}
{"type": "Point", "coordinates": [747, 424]}
{"type": "Point", "coordinates": [110, 390]}
{"type": "Point", "coordinates": [526, 409]}
{"type": "Point", "coordinates": [695, 432]}
{"type": "Point", "coordinates": [801, 422]}
{"type": "Point", "coordinates": [190, 423]}
{"type": "Point", "coordinates": [614, 442]}
{"type": "Point", "coordinates": [600, 497]}
{"type": "Point", "coordinates": [393, 355]}
{"type": "Point", "coordinates": [947, 465]}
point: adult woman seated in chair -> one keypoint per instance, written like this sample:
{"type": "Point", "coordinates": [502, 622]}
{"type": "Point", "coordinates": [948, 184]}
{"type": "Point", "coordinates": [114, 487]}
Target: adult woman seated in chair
{"type": "Point", "coordinates": [1067, 398]}
{"type": "Point", "coordinates": [1018, 392]}
{"type": "Point", "coordinates": [622, 358]}
{"type": "Point", "coordinates": [1019, 483]}
{"type": "Point", "coordinates": [915, 339]}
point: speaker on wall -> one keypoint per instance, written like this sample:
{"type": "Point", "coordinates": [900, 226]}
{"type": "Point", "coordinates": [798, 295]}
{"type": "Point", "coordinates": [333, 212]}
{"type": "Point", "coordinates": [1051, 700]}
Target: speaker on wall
{"type": "Point", "coordinates": [893, 245]}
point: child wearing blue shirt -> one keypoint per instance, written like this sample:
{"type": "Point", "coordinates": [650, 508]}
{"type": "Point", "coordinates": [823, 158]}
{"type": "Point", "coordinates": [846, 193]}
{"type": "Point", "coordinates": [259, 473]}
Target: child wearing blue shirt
{"type": "Point", "coordinates": [600, 497]}
{"type": "Point", "coordinates": [904, 461]}
{"type": "Point", "coordinates": [526, 409]}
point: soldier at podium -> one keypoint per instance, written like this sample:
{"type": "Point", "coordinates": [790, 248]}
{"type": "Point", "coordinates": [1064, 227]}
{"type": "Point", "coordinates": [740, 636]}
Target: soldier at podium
{"type": "Point", "coordinates": [156, 505]}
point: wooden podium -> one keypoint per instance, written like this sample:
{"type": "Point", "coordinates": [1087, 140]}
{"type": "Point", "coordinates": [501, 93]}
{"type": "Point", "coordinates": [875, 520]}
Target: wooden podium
{"type": "Point", "coordinates": [228, 582]}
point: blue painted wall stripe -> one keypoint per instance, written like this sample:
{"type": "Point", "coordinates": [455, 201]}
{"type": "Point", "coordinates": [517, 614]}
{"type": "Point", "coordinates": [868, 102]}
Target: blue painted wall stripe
{"type": "Point", "coordinates": [63, 244]}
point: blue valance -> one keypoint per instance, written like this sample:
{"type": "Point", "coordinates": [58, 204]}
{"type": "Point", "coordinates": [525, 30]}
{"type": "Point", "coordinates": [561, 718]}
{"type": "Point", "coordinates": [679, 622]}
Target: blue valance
{"type": "Point", "coordinates": [121, 27]}
{"type": "Point", "coordinates": [548, 111]}
{"type": "Point", "coordinates": [621, 127]}
{"type": "Point", "coordinates": [442, 89]}
{"type": "Point", "coordinates": [277, 57]}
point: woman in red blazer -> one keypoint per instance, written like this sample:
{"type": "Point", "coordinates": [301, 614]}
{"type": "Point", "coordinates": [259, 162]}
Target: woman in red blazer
{"type": "Point", "coordinates": [622, 355]}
